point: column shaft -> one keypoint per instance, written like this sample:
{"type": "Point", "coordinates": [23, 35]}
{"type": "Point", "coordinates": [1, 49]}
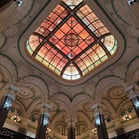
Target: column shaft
{"type": "Point", "coordinates": [71, 133]}
{"type": "Point", "coordinates": [22, 130]}
{"type": "Point", "coordinates": [42, 126]}
{"type": "Point", "coordinates": [4, 2]}
{"type": "Point", "coordinates": [4, 109]}
{"type": "Point", "coordinates": [101, 127]}
{"type": "Point", "coordinates": [135, 102]}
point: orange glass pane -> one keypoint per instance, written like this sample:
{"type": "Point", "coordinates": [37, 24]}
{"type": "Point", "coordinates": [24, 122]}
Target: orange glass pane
{"type": "Point", "coordinates": [78, 28]}
{"type": "Point", "coordinates": [59, 9]}
{"type": "Point", "coordinates": [81, 65]}
{"type": "Point", "coordinates": [85, 10]}
{"type": "Point", "coordinates": [49, 56]}
{"type": "Point", "coordinates": [65, 28]}
{"type": "Point", "coordinates": [87, 61]}
{"type": "Point", "coordinates": [61, 64]}
{"type": "Point", "coordinates": [100, 52]}
{"type": "Point", "coordinates": [34, 41]}
{"type": "Point", "coordinates": [89, 40]}
{"type": "Point", "coordinates": [103, 30]}
{"type": "Point", "coordinates": [83, 45]}
{"type": "Point", "coordinates": [52, 17]}
{"type": "Point", "coordinates": [59, 34]}
{"type": "Point", "coordinates": [55, 61]}
{"type": "Point", "coordinates": [43, 51]}
{"type": "Point", "coordinates": [93, 56]}
{"type": "Point", "coordinates": [84, 34]}
{"type": "Point", "coordinates": [97, 24]}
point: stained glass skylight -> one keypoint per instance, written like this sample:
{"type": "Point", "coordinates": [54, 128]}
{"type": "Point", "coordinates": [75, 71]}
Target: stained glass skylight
{"type": "Point", "coordinates": [72, 41]}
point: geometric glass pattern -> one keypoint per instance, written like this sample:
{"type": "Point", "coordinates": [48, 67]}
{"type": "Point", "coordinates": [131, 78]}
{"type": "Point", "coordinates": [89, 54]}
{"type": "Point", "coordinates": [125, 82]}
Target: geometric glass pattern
{"type": "Point", "coordinates": [72, 40]}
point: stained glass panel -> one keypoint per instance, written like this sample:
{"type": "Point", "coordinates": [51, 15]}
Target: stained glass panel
{"type": "Point", "coordinates": [71, 73]}
{"type": "Point", "coordinates": [34, 42]}
{"type": "Point", "coordinates": [54, 19]}
{"type": "Point", "coordinates": [71, 38]}
{"type": "Point", "coordinates": [110, 43]}
{"type": "Point", "coordinates": [92, 21]}
{"type": "Point", "coordinates": [71, 44]}
{"type": "Point", "coordinates": [72, 3]}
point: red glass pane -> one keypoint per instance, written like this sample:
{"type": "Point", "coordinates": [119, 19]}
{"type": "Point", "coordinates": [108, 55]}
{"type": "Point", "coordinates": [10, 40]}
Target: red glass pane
{"type": "Point", "coordinates": [72, 22]}
{"type": "Point", "coordinates": [60, 45]}
{"type": "Point", "coordinates": [83, 45]}
{"type": "Point", "coordinates": [89, 40]}
{"type": "Point", "coordinates": [58, 10]}
{"type": "Point", "coordinates": [54, 39]}
{"type": "Point", "coordinates": [65, 50]}
{"type": "Point", "coordinates": [77, 50]}
{"type": "Point", "coordinates": [91, 17]}
{"type": "Point", "coordinates": [78, 28]}
{"type": "Point", "coordinates": [84, 34]}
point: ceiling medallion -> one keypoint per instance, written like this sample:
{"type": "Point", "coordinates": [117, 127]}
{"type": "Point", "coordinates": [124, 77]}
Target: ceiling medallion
{"type": "Point", "coordinates": [71, 39]}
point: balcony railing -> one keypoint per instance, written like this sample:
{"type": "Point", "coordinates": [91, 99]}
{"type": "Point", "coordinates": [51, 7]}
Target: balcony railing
{"type": "Point", "coordinates": [9, 134]}
{"type": "Point", "coordinates": [130, 135]}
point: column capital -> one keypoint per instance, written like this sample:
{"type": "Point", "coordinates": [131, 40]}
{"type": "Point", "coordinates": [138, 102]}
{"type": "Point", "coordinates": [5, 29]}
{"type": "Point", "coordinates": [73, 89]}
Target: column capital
{"type": "Point", "coordinates": [71, 122]}
{"type": "Point", "coordinates": [45, 109]}
{"type": "Point", "coordinates": [130, 90]}
{"type": "Point", "coordinates": [11, 96]}
{"type": "Point", "coordinates": [12, 90]}
{"type": "Point", "coordinates": [97, 108]}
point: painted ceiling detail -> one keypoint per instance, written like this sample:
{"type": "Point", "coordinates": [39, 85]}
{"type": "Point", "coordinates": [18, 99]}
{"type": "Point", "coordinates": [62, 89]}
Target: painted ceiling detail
{"type": "Point", "coordinates": [72, 41]}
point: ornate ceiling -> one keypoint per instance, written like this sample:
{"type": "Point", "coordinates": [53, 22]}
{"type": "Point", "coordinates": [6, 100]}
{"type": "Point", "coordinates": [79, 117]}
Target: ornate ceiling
{"type": "Point", "coordinates": [69, 100]}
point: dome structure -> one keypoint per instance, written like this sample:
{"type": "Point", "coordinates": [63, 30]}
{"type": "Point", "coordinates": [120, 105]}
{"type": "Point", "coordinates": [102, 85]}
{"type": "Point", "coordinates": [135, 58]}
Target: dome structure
{"type": "Point", "coordinates": [72, 41]}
